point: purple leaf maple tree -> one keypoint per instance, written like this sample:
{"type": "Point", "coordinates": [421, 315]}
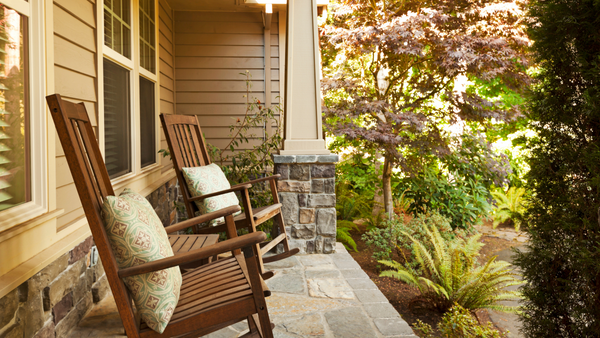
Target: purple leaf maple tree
{"type": "Point", "coordinates": [390, 69]}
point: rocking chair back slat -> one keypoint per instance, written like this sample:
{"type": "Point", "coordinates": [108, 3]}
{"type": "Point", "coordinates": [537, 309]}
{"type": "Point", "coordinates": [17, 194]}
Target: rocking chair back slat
{"type": "Point", "coordinates": [93, 185]}
{"type": "Point", "coordinates": [188, 149]}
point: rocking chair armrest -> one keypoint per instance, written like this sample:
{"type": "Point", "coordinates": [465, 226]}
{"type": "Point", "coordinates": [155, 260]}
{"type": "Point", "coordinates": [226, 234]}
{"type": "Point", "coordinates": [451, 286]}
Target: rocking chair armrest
{"type": "Point", "coordinates": [268, 178]}
{"type": "Point", "coordinates": [195, 255]}
{"type": "Point", "coordinates": [213, 194]}
{"type": "Point", "coordinates": [203, 218]}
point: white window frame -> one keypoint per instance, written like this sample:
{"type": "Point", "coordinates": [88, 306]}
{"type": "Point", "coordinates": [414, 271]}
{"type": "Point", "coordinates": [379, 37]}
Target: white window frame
{"type": "Point", "coordinates": [34, 10]}
{"type": "Point", "coordinates": [135, 71]}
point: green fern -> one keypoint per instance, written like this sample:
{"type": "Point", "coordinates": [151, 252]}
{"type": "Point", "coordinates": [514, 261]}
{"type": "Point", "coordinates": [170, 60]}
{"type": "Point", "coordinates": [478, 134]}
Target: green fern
{"type": "Point", "coordinates": [509, 205]}
{"type": "Point", "coordinates": [451, 274]}
{"type": "Point", "coordinates": [349, 204]}
{"type": "Point", "coordinates": [343, 234]}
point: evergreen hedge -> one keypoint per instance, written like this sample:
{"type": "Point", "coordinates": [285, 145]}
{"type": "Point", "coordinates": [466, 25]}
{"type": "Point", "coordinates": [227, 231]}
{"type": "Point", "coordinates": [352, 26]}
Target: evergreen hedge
{"type": "Point", "coordinates": [563, 266]}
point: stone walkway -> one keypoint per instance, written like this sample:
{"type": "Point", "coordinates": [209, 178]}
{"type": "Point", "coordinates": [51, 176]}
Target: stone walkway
{"type": "Point", "coordinates": [508, 234]}
{"type": "Point", "coordinates": [508, 321]}
{"type": "Point", "coordinates": [312, 296]}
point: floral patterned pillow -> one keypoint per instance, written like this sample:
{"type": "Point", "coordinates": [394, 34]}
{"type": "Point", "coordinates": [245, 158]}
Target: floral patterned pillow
{"type": "Point", "coordinates": [137, 236]}
{"type": "Point", "coordinates": [143, 202]}
{"type": "Point", "coordinates": [205, 180]}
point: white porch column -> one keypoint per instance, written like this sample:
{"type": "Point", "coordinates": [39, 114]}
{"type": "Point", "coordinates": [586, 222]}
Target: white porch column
{"type": "Point", "coordinates": [303, 134]}
{"type": "Point", "coordinates": [307, 183]}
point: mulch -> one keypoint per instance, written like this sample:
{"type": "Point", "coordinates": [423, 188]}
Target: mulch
{"type": "Point", "coordinates": [406, 299]}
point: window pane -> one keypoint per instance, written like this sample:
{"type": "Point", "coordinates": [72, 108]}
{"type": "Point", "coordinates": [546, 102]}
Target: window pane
{"type": "Point", "coordinates": [117, 120]}
{"type": "Point", "coordinates": [117, 27]}
{"type": "Point", "coordinates": [147, 28]}
{"type": "Point", "coordinates": [147, 122]}
{"type": "Point", "coordinates": [14, 110]}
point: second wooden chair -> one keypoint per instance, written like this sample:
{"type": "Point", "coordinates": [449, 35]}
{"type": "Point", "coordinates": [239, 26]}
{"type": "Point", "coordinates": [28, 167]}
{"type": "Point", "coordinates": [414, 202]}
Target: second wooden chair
{"type": "Point", "coordinates": [188, 149]}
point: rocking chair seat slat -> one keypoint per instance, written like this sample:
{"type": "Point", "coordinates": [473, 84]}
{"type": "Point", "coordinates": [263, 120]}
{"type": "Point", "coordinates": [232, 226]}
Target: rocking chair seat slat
{"type": "Point", "coordinates": [184, 243]}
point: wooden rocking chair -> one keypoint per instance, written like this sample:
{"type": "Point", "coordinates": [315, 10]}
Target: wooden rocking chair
{"type": "Point", "coordinates": [213, 296]}
{"type": "Point", "coordinates": [188, 149]}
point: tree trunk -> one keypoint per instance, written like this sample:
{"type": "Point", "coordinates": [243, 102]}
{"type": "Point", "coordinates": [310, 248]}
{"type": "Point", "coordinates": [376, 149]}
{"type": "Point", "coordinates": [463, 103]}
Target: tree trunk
{"type": "Point", "coordinates": [387, 187]}
{"type": "Point", "coordinates": [378, 203]}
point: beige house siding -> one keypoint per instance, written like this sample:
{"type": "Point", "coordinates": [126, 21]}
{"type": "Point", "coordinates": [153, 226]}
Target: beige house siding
{"type": "Point", "coordinates": [211, 50]}
{"type": "Point", "coordinates": [166, 72]}
{"type": "Point", "coordinates": [75, 79]}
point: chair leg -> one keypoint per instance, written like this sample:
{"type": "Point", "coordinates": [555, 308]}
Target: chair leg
{"type": "Point", "coordinates": [252, 324]}
{"type": "Point", "coordinates": [279, 220]}
{"type": "Point", "coordinates": [263, 324]}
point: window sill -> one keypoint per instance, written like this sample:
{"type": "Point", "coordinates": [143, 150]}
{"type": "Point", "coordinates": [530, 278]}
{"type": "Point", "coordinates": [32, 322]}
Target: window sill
{"type": "Point", "coordinates": [28, 224]}
{"type": "Point", "coordinates": [18, 215]}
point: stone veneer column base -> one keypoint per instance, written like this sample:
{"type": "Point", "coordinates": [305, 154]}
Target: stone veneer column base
{"type": "Point", "coordinates": [307, 192]}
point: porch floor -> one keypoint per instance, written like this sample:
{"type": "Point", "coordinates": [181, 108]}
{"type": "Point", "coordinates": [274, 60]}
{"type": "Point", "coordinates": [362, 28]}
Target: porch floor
{"type": "Point", "coordinates": [312, 296]}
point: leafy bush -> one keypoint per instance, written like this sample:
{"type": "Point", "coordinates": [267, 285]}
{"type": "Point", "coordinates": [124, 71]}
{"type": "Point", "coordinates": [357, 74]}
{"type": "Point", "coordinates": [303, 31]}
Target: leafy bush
{"type": "Point", "coordinates": [401, 203]}
{"type": "Point", "coordinates": [349, 204]}
{"type": "Point", "coordinates": [393, 236]}
{"type": "Point", "coordinates": [451, 274]}
{"type": "Point", "coordinates": [509, 205]}
{"type": "Point", "coordinates": [562, 265]}
{"type": "Point", "coordinates": [383, 240]}
{"type": "Point", "coordinates": [464, 202]}
{"type": "Point", "coordinates": [357, 171]}
{"type": "Point", "coordinates": [343, 234]}
{"type": "Point", "coordinates": [458, 322]}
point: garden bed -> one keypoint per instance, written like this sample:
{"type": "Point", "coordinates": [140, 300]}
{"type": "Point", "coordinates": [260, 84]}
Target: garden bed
{"type": "Point", "coordinates": [405, 298]}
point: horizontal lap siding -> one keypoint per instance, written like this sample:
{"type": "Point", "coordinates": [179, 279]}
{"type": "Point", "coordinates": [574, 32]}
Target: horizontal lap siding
{"type": "Point", "coordinates": [166, 69]}
{"type": "Point", "coordinates": [213, 51]}
{"type": "Point", "coordinates": [75, 80]}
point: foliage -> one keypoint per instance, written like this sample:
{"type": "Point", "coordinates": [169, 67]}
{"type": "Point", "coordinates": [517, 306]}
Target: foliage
{"type": "Point", "coordinates": [392, 69]}
{"type": "Point", "coordinates": [393, 236]}
{"type": "Point", "coordinates": [458, 322]}
{"type": "Point", "coordinates": [562, 265]}
{"type": "Point", "coordinates": [451, 274]}
{"type": "Point", "coordinates": [349, 204]}
{"type": "Point", "coordinates": [509, 205]}
{"type": "Point", "coordinates": [474, 159]}
{"type": "Point", "coordinates": [401, 203]}
{"type": "Point", "coordinates": [464, 202]}
{"type": "Point", "coordinates": [383, 239]}
{"type": "Point", "coordinates": [375, 220]}
{"type": "Point", "coordinates": [241, 164]}
{"type": "Point", "coordinates": [343, 234]}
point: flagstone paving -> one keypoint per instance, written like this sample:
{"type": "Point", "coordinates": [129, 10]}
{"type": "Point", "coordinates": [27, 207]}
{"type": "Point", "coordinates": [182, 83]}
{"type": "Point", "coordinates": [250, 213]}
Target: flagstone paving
{"type": "Point", "coordinates": [312, 296]}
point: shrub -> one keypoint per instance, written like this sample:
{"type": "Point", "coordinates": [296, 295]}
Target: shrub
{"type": "Point", "coordinates": [562, 265]}
{"type": "Point", "coordinates": [458, 322]}
{"type": "Point", "coordinates": [509, 206]}
{"type": "Point", "coordinates": [393, 236]}
{"type": "Point", "coordinates": [464, 202]}
{"type": "Point", "coordinates": [451, 274]}
{"type": "Point", "coordinates": [349, 204]}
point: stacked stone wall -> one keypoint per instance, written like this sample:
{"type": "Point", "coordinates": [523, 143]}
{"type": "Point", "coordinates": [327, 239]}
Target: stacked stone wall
{"type": "Point", "coordinates": [307, 193]}
{"type": "Point", "coordinates": [54, 300]}
{"type": "Point", "coordinates": [164, 200]}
